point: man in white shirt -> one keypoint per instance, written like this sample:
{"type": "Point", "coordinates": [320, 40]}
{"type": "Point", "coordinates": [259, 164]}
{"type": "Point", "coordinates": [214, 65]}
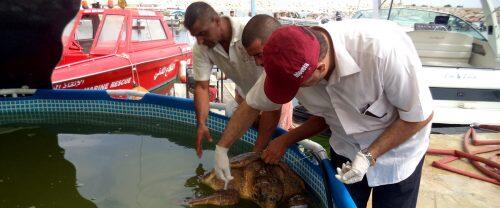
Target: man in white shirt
{"type": "Point", "coordinates": [361, 79]}
{"type": "Point", "coordinates": [219, 42]}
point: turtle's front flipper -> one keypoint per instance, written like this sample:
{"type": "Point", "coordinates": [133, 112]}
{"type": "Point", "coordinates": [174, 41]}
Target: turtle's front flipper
{"type": "Point", "coordinates": [219, 198]}
{"type": "Point", "coordinates": [298, 201]}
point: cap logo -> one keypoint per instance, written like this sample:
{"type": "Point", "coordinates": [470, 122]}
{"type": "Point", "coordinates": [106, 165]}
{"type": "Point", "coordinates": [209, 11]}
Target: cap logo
{"type": "Point", "coordinates": [301, 71]}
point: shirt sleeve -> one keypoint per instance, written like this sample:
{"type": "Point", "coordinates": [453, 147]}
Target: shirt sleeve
{"type": "Point", "coordinates": [202, 66]}
{"type": "Point", "coordinates": [257, 98]}
{"type": "Point", "coordinates": [404, 86]}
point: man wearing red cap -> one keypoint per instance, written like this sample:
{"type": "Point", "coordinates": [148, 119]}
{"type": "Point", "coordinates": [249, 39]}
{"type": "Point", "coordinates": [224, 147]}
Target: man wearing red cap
{"type": "Point", "coordinates": [361, 79]}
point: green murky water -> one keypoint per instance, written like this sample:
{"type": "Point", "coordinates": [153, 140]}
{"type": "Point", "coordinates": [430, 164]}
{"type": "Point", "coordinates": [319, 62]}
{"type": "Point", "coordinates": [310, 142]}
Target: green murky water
{"type": "Point", "coordinates": [83, 160]}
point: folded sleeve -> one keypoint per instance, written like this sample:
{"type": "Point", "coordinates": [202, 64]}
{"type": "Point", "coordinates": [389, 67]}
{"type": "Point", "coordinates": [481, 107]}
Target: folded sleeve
{"type": "Point", "coordinates": [202, 65]}
{"type": "Point", "coordinates": [404, 86]}
{"type": "Point", "coordinates": [257, 99]}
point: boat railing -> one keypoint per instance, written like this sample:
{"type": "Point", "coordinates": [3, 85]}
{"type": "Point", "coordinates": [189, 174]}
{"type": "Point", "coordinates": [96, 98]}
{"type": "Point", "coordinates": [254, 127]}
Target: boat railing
{"type": "Point", "coordinates": [16, 92]}
{"type": "Point", "coordinates": [84, 61]}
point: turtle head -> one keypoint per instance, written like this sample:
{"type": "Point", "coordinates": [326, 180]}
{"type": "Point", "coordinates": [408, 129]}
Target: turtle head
{"type": "Point", "coordinates": [268, 191]}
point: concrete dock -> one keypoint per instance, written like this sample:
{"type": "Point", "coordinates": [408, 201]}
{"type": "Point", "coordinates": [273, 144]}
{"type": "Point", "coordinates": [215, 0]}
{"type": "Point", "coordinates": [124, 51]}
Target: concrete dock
{"type": "Point", "coordinates": [442, 189]}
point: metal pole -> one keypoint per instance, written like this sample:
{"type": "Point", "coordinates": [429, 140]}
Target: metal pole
{"type": "Point", "coordinates": [217, 95]}
{"type": "Point", "coordinates": [187, 82]}
{"type": "Point", "coordinates": [252, 7]}
{"type": "Point", "coordinates": [376, 8]}
{"type": "Point", "coordinates": [390, 9]}
{"type": "Point", "coordinates": [222, 88]}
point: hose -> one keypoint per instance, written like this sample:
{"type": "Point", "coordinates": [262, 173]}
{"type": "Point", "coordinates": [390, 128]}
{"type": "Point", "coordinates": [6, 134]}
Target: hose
{"type": "Point", "coordinates": [339, 193]}
{"type": "Point", "coordinates": [490, 168]}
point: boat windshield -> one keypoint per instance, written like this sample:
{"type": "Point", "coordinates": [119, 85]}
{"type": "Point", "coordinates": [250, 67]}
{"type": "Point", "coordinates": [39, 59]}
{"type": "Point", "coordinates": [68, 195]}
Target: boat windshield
{"type": "Point", "coordinates": [110, 32]}
{"type": "Point", "coordinates": [410, 17]}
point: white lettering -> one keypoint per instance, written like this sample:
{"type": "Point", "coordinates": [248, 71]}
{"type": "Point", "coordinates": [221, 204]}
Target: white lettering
{"type": "Point", "coordinates": [120, 82]}
{"type": "Point", "coordinates": [164, 71]}
{"type": "Point", "coordinates": [301, 71]}
{"type": "Point", "coordinates": [71, 84]}
{"type": "Point", "coordinates": [98, 87]}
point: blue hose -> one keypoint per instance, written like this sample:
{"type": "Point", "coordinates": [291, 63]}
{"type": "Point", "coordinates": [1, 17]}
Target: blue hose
{"type": "Point", "coordinates": [340, 195]}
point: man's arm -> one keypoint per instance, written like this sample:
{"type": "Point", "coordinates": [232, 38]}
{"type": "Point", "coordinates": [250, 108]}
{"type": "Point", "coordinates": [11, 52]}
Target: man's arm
{"type": "Point", "coordinates": [273, 153]}
{"type": "Point", "coordinates": [405, 90]}
{"type": "Point", "coordinates": [409, 94]}
{"type": "Point", "coordinates": [239, 123]}
{"type": "Point", "coordinates": [202, 106]}
{"type": "Point", "coordinates": [397, 133]}
{"type": "Point", "coordinates": [202, 68]}
{"type": "Point", "coordinates": [268, 122]}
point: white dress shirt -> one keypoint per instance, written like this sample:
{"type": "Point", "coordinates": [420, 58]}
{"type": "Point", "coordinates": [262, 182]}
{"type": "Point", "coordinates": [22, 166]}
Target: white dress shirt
{"type": "Point", "coordinates": [376, 80]}
{"type": "Point", "coordinates": [237, 65]}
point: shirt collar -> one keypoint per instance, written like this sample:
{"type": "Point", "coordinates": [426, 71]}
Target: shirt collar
{"type": "Point", "coordinates": [236, 28]}
{"type": "Point", "coordinates": [344, 63]}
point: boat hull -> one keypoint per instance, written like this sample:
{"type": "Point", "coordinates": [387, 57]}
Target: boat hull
{"type": "Point", "coordinates": [116, 72]}
{"type": "Point", "coordinates": [463, 95]}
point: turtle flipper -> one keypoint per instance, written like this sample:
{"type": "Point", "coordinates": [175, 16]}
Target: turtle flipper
{"type": "Point", "coordinates": [298, 200]}
{"type": "Point", "coordinates": [219, 198]}
{"type": "Point", "coordinates": [243, 159]}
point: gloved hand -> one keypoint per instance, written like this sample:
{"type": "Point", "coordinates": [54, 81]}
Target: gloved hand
{"type": "Point", "coordinates": [222, 169]}
{"type": "Point", "coordinates": [355, 172]}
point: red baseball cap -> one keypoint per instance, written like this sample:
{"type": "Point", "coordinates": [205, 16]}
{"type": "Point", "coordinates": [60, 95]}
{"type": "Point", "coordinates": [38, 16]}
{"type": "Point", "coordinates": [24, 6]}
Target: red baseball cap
{"type": "Point", "coordinates": [290, 56]}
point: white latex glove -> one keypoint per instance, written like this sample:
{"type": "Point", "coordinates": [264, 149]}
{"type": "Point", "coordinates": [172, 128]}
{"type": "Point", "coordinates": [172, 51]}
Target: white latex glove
{"type": "Point", "coordinates": [355, 172]}
{"type": "Point", "coordinates": [222, 170]}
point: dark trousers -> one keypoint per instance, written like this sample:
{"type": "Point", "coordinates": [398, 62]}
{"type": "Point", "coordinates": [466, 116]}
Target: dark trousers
{"type": "Point", "coordinates": [399, 195]}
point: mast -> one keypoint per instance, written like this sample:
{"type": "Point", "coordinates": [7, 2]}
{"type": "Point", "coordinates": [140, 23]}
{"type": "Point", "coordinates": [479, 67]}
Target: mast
{"type": "Point", "coordinates": [491, 22]}
{"type": "Point", "coordinates": [376, 8]}
{"type": "Point", "coordinates": [252, 7]}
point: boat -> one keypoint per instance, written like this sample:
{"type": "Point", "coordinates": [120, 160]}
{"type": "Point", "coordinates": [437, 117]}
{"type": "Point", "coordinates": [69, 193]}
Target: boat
{"type": "Point", "coordinates": [119, 49]}
{"type": "Point", "coordinates": [299, 21]}
{"type": "Point", "coordinates": [174, 18]}
{"type": "Point", "coordinates": [304, 19]}
{"type": "Point", "coordinates": [461, 62]}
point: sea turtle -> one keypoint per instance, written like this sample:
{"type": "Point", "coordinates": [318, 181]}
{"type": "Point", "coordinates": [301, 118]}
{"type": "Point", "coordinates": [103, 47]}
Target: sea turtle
{"type": "Point", "coordinates": [266, 185]}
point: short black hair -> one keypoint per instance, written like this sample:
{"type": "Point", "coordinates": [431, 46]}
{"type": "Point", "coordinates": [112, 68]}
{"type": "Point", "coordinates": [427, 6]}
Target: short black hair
{"type": "Point", "coordinates": [198, 10]}
{"type": "Point", "coordinates": [323, 45]}
{"type": "Point", "coordinates": [259, 27]}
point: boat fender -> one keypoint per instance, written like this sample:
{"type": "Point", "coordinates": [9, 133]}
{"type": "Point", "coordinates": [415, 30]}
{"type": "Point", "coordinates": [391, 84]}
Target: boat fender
{"type": "Point", "coordinates": [138, 89]}
{"type": "Point", "coordinates": [182, 71]}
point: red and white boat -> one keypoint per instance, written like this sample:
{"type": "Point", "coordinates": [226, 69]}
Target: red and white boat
{"type": "Point", "coordinates": [119, 49]}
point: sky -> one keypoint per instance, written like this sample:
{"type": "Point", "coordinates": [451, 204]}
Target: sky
{"type": "Point", "coordinates": [465, 3]}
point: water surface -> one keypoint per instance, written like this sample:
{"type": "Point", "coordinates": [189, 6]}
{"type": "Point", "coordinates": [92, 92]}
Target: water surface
{"type": "Point", "coordinates": [89, 161]}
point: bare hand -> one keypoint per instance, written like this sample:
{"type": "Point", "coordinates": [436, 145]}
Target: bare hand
{"type": "Point", "coordinates": [259, 146]}
{"type": "Point", "coordinates": [202, 132]}
{"type": "Point", "coordinates": [274, 151]}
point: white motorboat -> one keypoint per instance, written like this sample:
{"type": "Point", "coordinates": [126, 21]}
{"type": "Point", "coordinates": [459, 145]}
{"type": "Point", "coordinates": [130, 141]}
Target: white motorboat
{"type": "Point", "coordinates": [461, 61]}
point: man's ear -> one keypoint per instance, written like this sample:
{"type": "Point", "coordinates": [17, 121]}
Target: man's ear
{"type": "Point", "coordinates": [321, 67]}
{"type": "Point", "coordinates": [216, 19]}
